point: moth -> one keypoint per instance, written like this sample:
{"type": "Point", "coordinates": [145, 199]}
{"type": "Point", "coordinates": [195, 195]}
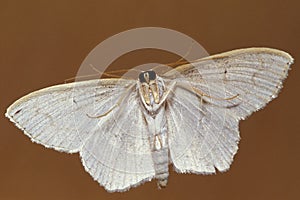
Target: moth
{"type": "Point", "coordinates": [128, 132]}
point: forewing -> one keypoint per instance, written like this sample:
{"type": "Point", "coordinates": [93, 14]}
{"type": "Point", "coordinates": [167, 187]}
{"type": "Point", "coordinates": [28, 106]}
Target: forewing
{"type": "Point", "coordinates": [57, 116]}
{"type": "Point", "coordinates": [118, 155]}
{"type": "Point", "coordinates": [243, 80]}
{"type": "Point", "coordinates": [230, 87]}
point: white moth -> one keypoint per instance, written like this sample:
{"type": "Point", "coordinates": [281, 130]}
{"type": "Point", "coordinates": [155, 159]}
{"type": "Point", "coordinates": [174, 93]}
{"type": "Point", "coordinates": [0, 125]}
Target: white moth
{"type": "Point", "coordinates": [128, 131]}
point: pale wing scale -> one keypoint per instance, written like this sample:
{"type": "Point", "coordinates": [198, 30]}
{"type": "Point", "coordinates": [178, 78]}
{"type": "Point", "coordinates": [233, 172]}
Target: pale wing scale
{"type": "Point", "coordinates": [200, 139]}
{"type": "Point", "coordinates": [232, 85]}
{"type": "Point", "coordinates": [254, 74]}
{"type": "Point", "coordinates": [57, 116]}
{"type": "Point", "coordinates": [178, 105]}
{"type": "Point", "coordinates": [119, 156]}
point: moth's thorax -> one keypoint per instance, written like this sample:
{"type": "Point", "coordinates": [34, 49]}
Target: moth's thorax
{"type": "Point", "coordinates": [151, 90]}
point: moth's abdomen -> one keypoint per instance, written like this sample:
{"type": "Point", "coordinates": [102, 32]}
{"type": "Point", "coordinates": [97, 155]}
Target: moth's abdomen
{"type": "Point", "coordinates": [160, 156]}
{"type": "Point", "coordinates": [161, 163]}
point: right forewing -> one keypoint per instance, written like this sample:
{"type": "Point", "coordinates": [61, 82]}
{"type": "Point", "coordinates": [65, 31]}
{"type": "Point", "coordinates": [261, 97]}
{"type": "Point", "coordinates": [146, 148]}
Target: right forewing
{"type": "Point", "coordinates": [243, 81]}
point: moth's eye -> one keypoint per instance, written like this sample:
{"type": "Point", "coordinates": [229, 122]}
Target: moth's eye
{"type": "Point", "coordinates": [152, 75]}
{"type": "Point", "coordinates": [142, 77]}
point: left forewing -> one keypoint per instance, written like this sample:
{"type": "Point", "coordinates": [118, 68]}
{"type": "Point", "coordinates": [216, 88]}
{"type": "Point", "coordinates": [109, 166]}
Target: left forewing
{"type": "Point", "coordinates": [57, 116]}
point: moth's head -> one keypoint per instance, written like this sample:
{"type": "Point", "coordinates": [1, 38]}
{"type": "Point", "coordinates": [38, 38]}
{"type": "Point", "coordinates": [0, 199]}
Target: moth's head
{"type": "Point", "coordinates": [147, 77]}
{"type": "Point", "coordinates": [149, 88]}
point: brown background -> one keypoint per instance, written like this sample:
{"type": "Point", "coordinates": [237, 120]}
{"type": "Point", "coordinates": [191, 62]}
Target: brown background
{"type": "Point", "coordinates": [42, 43]}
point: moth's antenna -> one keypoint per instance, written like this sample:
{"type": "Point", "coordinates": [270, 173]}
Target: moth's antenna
{"type": "Point", "coordinates": [181, 61]}
{"type": "Point", "coordinates": [123, 70]}
{"type": "Point", "coordinates": [98, 72]}
{"type": "Point", "coordinates": [104, 73]}
{"type": "Point", "coordinates": [186, 54]}
{"type": "Point", "coordinates": [83, 76]}
{"type": "Point", "coordinates": [112, 73]}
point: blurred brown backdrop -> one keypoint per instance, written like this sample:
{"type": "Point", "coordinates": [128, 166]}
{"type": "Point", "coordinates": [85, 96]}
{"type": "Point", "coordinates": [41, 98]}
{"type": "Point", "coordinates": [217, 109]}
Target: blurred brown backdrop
{"type": "Point", "coordinates": [42, 43]}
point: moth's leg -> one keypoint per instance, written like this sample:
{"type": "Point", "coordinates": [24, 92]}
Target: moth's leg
{"type": "Point", "coordinates": [166, 94]}
{"type": "Point", "coordinates": [202, 94]}
{"type": "Point", "coordinates": [192, 91]}
{"type": "Point", "coordinates": [199, 92]}
{"type": "Point", "coordinates": [125, 94]}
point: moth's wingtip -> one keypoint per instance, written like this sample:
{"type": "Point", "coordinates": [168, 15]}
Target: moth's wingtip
{"type": "Point", "coordinates": [288, 57]}
{"type": "Point", "coordinates": [273, 51]}
{"type": "Point", "coordinates": [291, 59]}
{"type": "Point", "coordinates": [283, 53]}
{"type": "Point", "coordinates": [8, 115]}
{"type": "Point", "coordinates": [9, 109]}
